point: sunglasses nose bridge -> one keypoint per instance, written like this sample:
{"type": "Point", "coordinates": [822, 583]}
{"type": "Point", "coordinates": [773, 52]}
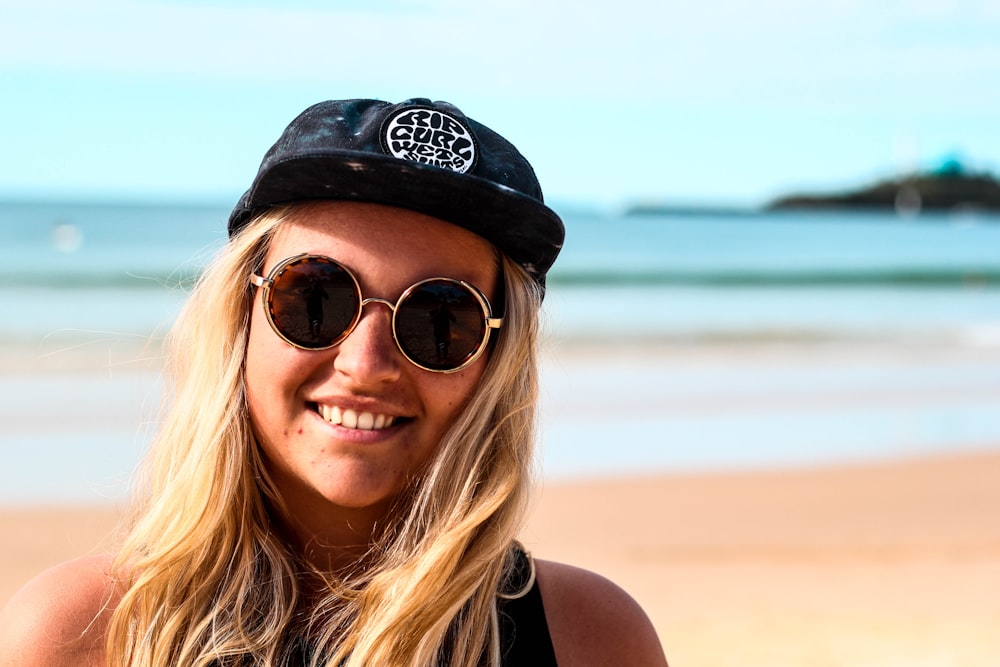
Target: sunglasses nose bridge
{"type": "Point", "coordinates": [388, 304]}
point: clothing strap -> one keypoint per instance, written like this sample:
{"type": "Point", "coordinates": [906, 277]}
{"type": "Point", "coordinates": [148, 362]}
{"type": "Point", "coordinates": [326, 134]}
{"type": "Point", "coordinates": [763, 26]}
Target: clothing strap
{"type": "Point", "coordinates": [524, 631]}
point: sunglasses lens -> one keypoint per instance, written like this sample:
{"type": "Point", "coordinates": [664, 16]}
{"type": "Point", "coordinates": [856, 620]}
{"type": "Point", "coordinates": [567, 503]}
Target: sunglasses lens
{"type": "Point", "coordinates": [440, 325]}
{"type": "Point", "coordinates": [313, 302]}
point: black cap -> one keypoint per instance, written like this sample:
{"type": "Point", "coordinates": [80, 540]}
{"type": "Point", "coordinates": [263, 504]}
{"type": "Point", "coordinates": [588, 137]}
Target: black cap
{"type": "Point", "coordinates": [420, 155]}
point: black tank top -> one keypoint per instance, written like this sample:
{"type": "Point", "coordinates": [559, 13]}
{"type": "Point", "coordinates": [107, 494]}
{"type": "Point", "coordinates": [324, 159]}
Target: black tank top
{"type": "Point", "coordinates": [524, 632]}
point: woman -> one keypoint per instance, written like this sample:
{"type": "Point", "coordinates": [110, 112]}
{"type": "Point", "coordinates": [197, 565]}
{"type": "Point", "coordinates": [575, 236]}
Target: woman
{"type": "Point", "coordinates": [343, 469]}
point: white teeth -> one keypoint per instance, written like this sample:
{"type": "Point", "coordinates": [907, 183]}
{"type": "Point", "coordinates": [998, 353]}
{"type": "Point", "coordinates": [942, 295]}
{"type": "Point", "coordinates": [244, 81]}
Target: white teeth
{"type": "Point", "coordinates": [365, 421]}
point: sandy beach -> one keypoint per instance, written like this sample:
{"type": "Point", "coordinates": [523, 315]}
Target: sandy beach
{"type": "Point", "coordinates": [877, 565]}
{"type": "Point", "coordinates": [885, 564]}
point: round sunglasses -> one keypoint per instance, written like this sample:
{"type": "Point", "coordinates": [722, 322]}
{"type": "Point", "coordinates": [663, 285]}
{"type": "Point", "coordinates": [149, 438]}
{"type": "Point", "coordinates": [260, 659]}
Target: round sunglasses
{"type": "Point", "coordinates": [314, 302]}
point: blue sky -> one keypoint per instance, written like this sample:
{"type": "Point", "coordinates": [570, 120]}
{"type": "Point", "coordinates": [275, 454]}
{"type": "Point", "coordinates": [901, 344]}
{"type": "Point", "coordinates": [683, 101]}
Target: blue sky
{"type": "Point", "coordinates": [712, 102]}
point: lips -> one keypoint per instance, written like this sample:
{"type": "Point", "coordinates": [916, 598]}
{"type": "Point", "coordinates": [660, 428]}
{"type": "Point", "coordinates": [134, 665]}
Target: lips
{"type": "Point", "coordinates": [355, 419]}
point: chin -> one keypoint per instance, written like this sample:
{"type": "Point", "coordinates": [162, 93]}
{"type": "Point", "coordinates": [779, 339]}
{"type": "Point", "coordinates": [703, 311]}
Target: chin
{"type": "Point", "coordinates": [361, 493]}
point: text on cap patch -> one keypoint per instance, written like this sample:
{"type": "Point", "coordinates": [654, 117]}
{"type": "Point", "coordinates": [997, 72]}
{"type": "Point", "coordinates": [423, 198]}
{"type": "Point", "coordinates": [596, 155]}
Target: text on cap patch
{"type": "Point", "coordinates": [431, 137]}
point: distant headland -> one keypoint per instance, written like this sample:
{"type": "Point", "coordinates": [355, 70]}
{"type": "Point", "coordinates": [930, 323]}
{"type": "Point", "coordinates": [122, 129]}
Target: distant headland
{"type": "Point", "coordinates": [949, 187]}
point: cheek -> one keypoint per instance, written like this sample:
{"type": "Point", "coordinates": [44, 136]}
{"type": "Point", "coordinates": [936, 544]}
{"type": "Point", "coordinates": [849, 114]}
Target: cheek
{"type": "Point", "coordinates": [258, 383]}
{"type": "Point", "coordinates": [258, 357]}
{"type": "Point", "coordinates": [451, 392]}
{"type": "Point", "coordinates": [270, 367]}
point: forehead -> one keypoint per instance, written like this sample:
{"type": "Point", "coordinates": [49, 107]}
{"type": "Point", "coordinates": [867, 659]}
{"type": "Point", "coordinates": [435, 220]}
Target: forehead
{"type": "Point", "coordinates": [378, 240]}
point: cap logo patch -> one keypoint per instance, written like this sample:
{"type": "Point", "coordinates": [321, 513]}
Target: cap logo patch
{"type": "Point", "coordinates": [431, 137]}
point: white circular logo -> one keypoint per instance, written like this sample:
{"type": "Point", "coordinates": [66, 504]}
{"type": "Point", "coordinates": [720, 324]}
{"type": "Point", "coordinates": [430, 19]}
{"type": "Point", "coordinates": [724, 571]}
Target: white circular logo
{"type": "Point", "coordinates": [430, 136]}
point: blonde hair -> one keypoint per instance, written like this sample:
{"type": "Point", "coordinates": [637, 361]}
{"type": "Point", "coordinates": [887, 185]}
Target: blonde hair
{"type": "Point", "coordinates": [207, 578]}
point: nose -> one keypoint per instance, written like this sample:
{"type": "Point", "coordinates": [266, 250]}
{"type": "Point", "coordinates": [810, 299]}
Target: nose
{"type": "Point", "coordinates": [369, 355]}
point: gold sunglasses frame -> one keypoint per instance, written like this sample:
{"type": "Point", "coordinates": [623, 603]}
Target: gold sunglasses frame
{"type": "Point", "coordinates": [489, 322]}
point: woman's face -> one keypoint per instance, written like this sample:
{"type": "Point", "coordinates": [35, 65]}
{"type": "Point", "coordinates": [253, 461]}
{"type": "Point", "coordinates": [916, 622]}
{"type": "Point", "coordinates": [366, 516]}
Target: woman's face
{"type": "Point", "coordinates": [320, 466]}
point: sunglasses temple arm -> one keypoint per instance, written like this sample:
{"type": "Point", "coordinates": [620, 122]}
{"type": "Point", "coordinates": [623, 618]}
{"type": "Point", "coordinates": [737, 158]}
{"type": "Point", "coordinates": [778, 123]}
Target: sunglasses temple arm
{"type": "Point", "coordinates": [494, 322]}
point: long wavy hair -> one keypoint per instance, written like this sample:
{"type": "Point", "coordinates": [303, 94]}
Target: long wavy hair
{"type": "Point", "coordinates": [206, 575]}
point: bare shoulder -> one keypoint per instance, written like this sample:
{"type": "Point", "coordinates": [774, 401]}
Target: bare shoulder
{"type": "Point", "coordinates": [59, 617]}
{"type": "Point", "coordinates": [593, 621]}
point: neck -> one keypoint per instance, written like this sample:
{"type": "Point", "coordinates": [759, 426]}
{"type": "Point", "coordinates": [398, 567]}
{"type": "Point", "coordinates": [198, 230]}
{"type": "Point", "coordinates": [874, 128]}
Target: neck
{"type": "Point", "coordinates": [333, 539]}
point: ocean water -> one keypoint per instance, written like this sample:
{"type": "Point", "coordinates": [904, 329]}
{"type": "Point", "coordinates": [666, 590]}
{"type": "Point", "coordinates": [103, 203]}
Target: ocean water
{"type": "Point", "coordinates": [88, 275]}
{"type": "Point", "coordinates": [76, 268]}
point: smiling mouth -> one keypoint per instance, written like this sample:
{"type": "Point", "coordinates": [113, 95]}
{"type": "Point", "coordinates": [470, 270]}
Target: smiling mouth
{"type": "Point", "coordinates": [354, 419]}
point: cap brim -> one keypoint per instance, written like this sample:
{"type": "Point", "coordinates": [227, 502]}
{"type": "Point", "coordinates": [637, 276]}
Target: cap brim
{"type": "Point", "coordinates": [520, 226]}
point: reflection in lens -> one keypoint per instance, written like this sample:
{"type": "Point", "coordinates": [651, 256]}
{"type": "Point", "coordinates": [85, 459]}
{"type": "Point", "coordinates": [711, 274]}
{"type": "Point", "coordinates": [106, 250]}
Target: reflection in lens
{"type": "Point", "coordinates": [313, 302]}
{"type": "Point", "coordinates": [440, 325]}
